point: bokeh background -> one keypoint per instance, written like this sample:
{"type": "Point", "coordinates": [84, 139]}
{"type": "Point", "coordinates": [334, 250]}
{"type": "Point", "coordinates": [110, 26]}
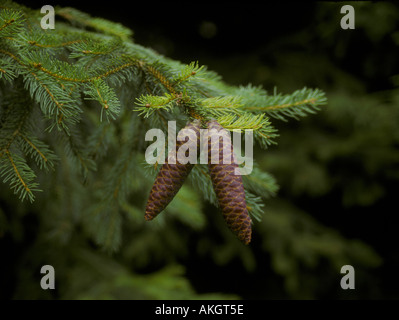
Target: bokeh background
{"type": "Point", "coordinates": [338, 170]}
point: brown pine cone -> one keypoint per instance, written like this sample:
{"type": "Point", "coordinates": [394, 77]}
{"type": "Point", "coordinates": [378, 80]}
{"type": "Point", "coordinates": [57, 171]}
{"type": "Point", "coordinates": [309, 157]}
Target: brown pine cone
{"type": "Point", "coordinates": [228, 186]}
{"type": "Point", "coordinates": [171, 176]}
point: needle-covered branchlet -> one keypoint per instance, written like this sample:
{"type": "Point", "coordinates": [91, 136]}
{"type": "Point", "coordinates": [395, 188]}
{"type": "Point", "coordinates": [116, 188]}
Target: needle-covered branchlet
{"type": "Point", "coordinates": [228, 185]}
{"type": "Point", "coordinates": [172, 174]}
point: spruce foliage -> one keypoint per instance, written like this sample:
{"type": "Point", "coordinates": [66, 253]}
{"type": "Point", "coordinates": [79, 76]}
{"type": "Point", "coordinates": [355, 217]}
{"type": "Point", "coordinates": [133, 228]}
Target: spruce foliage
{"type": "Point", "coordinates": [88, 88]}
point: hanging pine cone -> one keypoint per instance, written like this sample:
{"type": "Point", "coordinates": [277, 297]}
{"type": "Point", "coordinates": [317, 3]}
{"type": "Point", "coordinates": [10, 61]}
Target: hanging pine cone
{"type": "Point", "coordinates": [171, 176]}
{"type": "Point", "coordinates": [228, 186]}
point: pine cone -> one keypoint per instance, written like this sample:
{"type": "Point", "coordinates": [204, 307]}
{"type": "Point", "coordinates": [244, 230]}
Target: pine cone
{"type": "Point", "coordinates": [171, 176]}
{"type": "Point", "coordinates": [228, 186]}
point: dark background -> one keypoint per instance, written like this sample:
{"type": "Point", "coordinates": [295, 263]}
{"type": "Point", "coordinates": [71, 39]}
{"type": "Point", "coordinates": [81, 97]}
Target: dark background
{"type": "Point", "coordinates": [291, 45]}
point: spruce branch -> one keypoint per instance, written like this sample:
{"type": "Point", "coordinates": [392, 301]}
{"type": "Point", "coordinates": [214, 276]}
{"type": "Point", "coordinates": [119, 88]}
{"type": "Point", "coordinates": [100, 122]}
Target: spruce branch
{"type": "Point", "coordinates": [147, 104]}
{"type": "Point", "coordinates": [55, 102]}
{"type": "Point", "coordinates": [188, 72]}
{"type": "Point", "coordinates": [259, 124]}
{"type": "Point", "coordinates": [261, 183]}
{"type": "Point", "coordinates": [158, 74]}
{"type": "Point", "coordinates": [15, 171]}
{"type": "Point", "coordinates": [75, 149]}
{"type": "Point", "coordinates": [98, 90]}
{"type": "Point", "coordinates": [254, 206]}
{"type": "Point", "coordinates": [89, 68]}
{"type": "Point", "coordinates": [295, 105]}
{"type": "Point", "coordinates": [37, 150]}
{"type": "Point", "coordinates": [219, 106]}
{"type": "Point", "coordinates": [11, 22]}
{"type": "Point", "coordinates": [89, 49]}
{"type": "Point", "coordinates": [7, 70]}
{"type": "Point", "coordinates": [81, 19]}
